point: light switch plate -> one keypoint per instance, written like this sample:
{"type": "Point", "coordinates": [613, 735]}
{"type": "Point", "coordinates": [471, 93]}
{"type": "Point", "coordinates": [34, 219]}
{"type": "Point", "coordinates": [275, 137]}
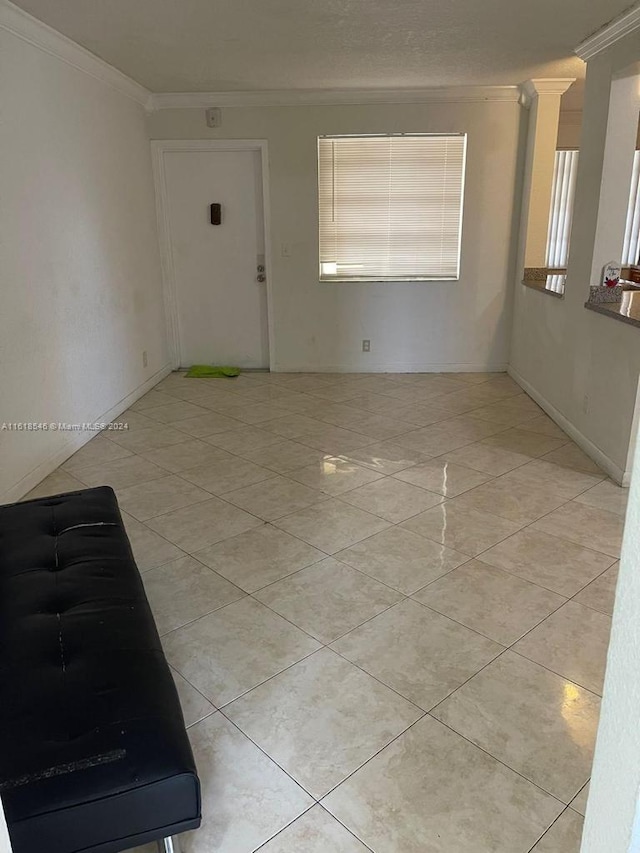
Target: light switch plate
{"type": "Point", "coordinates": [214, 117]}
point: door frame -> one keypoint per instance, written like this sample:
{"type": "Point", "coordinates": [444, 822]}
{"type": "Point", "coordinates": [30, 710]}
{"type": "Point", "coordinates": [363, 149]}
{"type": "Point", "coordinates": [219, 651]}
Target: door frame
{"type": "Point", "coordinates": [160, 147]}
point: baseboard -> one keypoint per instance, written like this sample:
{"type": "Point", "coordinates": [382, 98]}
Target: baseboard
{"type": "Point", "coordinates": [387, 367]}
{"type": "Point", "coordinates": [592, 450]}
{"type": "Point", "coordinates": [76, 440]}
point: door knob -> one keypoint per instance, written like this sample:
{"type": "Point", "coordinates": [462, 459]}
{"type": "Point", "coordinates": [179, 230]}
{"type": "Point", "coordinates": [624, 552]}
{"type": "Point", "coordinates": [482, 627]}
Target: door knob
{"type": "Point", "coordinates": [261, 277]}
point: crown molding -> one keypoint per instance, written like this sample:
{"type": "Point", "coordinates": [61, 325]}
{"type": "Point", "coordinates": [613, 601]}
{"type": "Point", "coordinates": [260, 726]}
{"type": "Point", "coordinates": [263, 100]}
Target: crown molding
{"type": "Point", "coordinates": [333, 97]}
{"type": "Point", "coordinates": [609, 34]}
{"type": "Point", "coordinates": [531, 89]}
{"type": "Point", "coordinates": [15, 20]}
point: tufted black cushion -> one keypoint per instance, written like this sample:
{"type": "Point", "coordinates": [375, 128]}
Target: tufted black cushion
{"type": "Point", "coordinates": [93, 751]}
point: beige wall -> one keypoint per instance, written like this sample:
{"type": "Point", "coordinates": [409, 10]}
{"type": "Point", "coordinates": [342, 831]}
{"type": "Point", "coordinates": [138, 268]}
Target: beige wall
{"type": "Point", "coordinates": [461, 325]}
{"type": "Point", "coordinates": [79, 265]}
{"type": "Point", "coordinates": [583, 366]}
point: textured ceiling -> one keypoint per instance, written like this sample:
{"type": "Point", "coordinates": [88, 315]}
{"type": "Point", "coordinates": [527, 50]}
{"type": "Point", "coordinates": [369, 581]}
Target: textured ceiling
{"type": "Point", "coordinates": [227, 45]}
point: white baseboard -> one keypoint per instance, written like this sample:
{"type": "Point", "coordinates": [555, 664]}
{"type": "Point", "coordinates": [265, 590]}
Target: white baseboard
{"type": "Point", "coordinates": [592, 450]}
{"type": "Point", "coordinates": [389, 367]}
{"type": "Point", "coordinates": [75, 440]}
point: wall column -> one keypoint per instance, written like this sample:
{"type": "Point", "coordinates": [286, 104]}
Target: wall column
{"type": "Point", "coordinates": [543, 98]}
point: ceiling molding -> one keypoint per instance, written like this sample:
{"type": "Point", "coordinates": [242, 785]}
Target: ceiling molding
{"type": "Point", "coordinates": [531, 89]}
{"type": "Point", "coordinates": [609, 34]}
{"type": "Point", "coordinates": [333, 97]}
{"type": "Point", "coordinates": [45, 38]}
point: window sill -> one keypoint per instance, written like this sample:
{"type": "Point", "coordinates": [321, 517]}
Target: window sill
{"type": "Point", "coordinates": [545, 280]}
{"type": "Point", "coordinates": [387, 280]}
{"type": "Point", "coordinates": [627, 311]}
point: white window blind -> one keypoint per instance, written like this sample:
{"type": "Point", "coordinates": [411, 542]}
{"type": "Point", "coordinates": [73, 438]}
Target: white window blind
{"type": "Point", "coordinates": [390, 207]}
{"type": "Point", "coordinates": [631, 245]}
{"type": "Point", "coordinates": [564, 185]}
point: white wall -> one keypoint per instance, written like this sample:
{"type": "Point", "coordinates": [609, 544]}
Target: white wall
{"type": "Point", "coordinates": [615, 783]}
{"type": "Point", "coordinates": [583, 366]}
{"type": "Point", "coordinates": [80, 283]}
{"type": "Point", "coordinates": [412, 326]}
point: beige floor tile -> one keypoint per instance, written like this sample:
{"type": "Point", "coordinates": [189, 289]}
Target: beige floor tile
{"type": "Point", "coordinates": [327, 599]}
{"type": "Point", "coordinates": [445, 478]}
{"type": "Point", "coordinates": [157, 497]}
{"type": "Point", "coordinates": [570, 456]}
{"type": "Point", "coordinates": [334, 440]}
{"type": "Point", "coordinates": [259, 557]}
{"type": "Point", "coordinates": [487, 459]}
{"type": "Point", "coordinates": [256, 413]}
{"type": "Point", "coordinates": [490, 601]}
{"type": "Point", "coordinates": [401, 559]}
{"type": "Point", "coordinates": [516, 500]}
{"type": "Point", "coordinates": [545, 426]}
{"type": "Point", "coordinates": [133, 420]}
{"type": "Point", "coordinates": [521, 441]}
{"type": "Point", "coordinates": [469, 427]}
{"type": "Point", "coordinates": [56, 483]}
{"type": "Point", "coordinates": [292, 425]}
{"type": "Point", "coordinates": [564, 836]}
{"type": "Point", "coordinates": [586, 526]}
{"type": "Point", "coordinates": [572, 642]}
{"type": "Point", "coordinates": [386, 457]}
{"type": "Point", "coordinates": [332, 525]}
{"type": "Point", "coordinates": [149, 549]}
{"type": "Point", "coordinates": [379, 427]}
{"type": "Point", "coordinates": [246, 798]}
{"type": "Point", "coordinates": [461, 529]}
{"type": "Point", "coordinates": [95, 452]}
{"type": "Point", "coordinates": [423, 414]}
{"type": "Point", "coordinates": [182, 457]}
{"type": "Point", "coordinates": [579, 804]}
{"type": "Point", "coordinates": [274, 498]}
{"type": "Point", "coordinates": [392, 500]}
{"type": "Point", "coordinates": [317, 733]}
{"type": "Point", "coordinates": [375, 403]}
{"type": "Point", "coordinates": [209, 423]}
{"type": "Point", "coordinates": [242, 438]}
{"type": "Point", "coordinates": [120, 473]}
{"type": "Point", "coordinates": [548, 561]}
{"type": "Point", "coordinates": [178, 410]}
{"type": "Point", "coordinates": [139, 440]}
{"type": "Point", "coordinates": [534, 721]}
{"type": "Point", "coordinates": [219, 476]}
{"type": "Point", "coordinates": [234, 649]}
{"type": "Point", "coordinates": [194, 705]}
{"type": "Point", "coordinates": [417, 652]}
{"type": "Point", "coordinates": [284, 456]}
{"type": "Point", "coordinates": [315, 832]}
{"type": "Point", "coordinates": [432, 440]}
{"type": "Point", "coordinates": [152, 400]}
{"type": "Point", "coordinates": [606, 495]}
{"type": "Point", "coordinates": [184, 590]}
{"type": "Point", "coordinates": [334, 475]}
{"type": "Point", "coordinates": [195, 527]}
{"type": "Point", "coordinates": [430, 786]}
{"type": "Point", "coordinates": [565, 481]}
{"type": "Point", "coordinates": [600, 594]}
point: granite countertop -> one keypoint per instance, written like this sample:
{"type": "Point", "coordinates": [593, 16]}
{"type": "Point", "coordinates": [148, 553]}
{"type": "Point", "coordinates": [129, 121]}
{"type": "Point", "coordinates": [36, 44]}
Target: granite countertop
{"type": "Point", "coordinates": [627, 311]}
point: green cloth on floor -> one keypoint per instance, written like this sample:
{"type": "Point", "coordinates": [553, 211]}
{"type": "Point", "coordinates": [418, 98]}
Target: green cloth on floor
{"type": "Point", "coordinates": [211, 371]}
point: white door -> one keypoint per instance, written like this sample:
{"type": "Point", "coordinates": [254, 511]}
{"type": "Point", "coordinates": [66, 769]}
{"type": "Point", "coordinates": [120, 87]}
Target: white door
{"type": "Point", "coordinates": [221, 304]}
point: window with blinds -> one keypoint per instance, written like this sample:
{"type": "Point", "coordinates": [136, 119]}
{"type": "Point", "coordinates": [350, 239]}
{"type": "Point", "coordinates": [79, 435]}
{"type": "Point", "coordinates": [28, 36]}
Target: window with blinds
{"type": "Point", "coordinates": [631, 244]}
{"type": "Point", "coordinates": [562, 194]}
{"type": "Point", "coordinates": [390, 207]}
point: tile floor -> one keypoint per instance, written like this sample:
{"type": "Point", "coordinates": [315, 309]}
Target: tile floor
{"type": "Point", "coordinates": [386, 600]}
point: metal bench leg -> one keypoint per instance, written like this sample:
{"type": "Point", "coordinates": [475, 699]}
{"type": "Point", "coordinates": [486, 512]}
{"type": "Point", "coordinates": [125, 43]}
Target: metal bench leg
{"type": "Point", "coordinates": [170, 844]}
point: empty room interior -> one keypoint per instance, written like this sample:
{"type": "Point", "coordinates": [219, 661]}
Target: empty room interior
{"type": "Point", "coordinates": [319, 403]}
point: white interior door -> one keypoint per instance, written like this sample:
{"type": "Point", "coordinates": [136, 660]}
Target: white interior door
{"type": "Point", "coordinates": [221, 305]}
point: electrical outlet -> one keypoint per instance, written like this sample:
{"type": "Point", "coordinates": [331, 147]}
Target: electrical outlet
{"type": "Point", "coordinates": [366, 346]}
{"type": "Point", "coordinates": [213, 116]}
{"type": "Point", "coordinates": [145, 360]}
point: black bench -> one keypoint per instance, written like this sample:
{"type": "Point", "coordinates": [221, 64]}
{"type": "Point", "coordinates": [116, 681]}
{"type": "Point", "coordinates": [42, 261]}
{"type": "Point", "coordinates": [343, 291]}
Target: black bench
{"type": "Point", "coordinates": [94, 756]}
